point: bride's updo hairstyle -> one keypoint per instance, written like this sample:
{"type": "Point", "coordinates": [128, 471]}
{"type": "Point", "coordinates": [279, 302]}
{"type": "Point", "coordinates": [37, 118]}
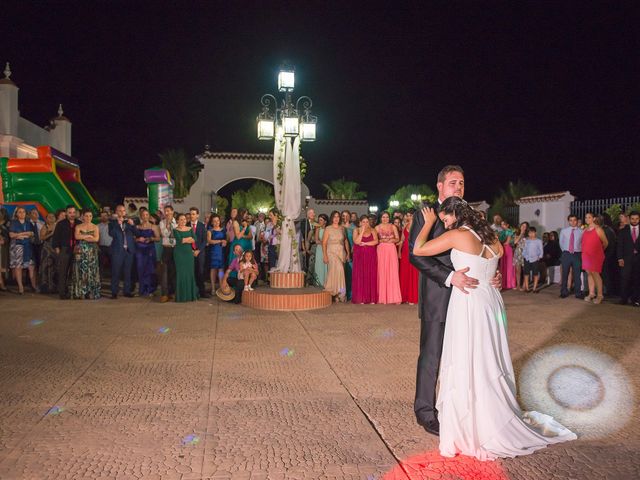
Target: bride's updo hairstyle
{"type": "Point", "coordinates": [468, 217]}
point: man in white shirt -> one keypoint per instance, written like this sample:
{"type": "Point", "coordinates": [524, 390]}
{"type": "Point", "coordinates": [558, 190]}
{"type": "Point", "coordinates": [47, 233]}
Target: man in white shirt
{"type": "Point", "coordinates": [168, 275]}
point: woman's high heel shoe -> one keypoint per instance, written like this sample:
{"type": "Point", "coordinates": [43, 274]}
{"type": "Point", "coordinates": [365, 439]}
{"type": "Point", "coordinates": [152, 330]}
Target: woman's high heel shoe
{"type": "Point", "coordinates": [589, 298]}
{"type": "Point", "coordinates": [598, 300]}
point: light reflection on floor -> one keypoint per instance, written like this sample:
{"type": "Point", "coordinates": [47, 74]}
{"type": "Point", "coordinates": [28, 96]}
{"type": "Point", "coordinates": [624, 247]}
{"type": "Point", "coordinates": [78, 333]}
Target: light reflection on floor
{"type": "Point", "coordinates": [432, 465]}
{"type": "Point", "coordinates": [587, 391]}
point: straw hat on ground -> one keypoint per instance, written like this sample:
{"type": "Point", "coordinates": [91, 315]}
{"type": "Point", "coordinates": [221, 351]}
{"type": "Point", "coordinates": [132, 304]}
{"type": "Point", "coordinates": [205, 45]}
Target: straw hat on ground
{"type": "Point", "coordinates": [226, 293]}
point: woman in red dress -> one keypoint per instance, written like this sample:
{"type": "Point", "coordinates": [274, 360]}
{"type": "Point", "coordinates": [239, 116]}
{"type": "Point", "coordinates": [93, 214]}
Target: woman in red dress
{"type": "Point", "coordinates": [594, 242]}
{"type": "Point", "coordinates": [408, 273]}
{"type": "Point", "coordinates": [364, 286]}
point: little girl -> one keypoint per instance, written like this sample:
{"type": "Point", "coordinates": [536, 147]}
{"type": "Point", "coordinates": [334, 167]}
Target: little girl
{"type": "Point", "coordinates": [248, 270]}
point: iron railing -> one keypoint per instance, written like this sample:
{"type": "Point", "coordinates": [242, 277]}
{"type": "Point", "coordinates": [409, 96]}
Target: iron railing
{"type": "Point", "coordinates": [581, 207]}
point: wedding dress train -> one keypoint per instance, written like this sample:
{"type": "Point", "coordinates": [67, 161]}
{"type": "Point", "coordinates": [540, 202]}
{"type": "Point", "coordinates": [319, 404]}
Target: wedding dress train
{"type": "Point", "coordinates": [478, 411]}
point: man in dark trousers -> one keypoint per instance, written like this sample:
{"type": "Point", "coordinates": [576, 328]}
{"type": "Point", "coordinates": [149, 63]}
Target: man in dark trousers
{"type": "Point", "coordinates": [63, 241]}
{"type": "Point", "coordinates": [629, 260]}
{"type": "Point", "coordinates": [200, 235]}
{"type": "Point", "coordinates": [123, 248]}
{"type": "Point", "coordinates": [436, 279]}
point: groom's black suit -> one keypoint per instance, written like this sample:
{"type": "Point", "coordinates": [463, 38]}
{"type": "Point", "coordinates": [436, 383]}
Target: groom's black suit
{"type": "Point", "coordinates": [432, 310]}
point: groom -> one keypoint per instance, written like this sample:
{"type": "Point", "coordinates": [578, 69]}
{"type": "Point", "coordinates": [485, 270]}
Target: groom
{"type": "Point", "coordinates": [436, 278]}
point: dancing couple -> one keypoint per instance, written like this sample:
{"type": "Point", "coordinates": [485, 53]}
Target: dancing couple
{"type": "Point", "coordinates": [475, 412]}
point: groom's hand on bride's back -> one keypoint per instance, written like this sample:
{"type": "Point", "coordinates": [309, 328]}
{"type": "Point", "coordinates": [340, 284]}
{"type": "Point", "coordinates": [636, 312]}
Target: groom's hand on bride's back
{"type": "Point", "coordinates": [461, 281]}
{"type": "Point", "coordinates": [496, 282]}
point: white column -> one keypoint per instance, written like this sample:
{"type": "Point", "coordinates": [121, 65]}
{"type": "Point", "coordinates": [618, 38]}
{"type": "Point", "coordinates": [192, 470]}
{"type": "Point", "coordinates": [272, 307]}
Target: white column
{"type": "Point", "coordinates": [8, 105]}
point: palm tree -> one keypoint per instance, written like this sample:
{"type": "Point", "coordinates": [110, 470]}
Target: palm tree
{"type": "Point", "coordinates": [403, 195]}
{"type": "Point", "coordinates": [342, 189]}
{"type": "Point", "coordinates": [184, 170]}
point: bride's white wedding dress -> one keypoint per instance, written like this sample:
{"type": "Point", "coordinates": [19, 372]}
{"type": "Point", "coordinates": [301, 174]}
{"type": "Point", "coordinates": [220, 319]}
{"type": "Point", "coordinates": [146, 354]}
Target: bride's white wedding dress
{"type": "Point", "coordinates": [477, 408]}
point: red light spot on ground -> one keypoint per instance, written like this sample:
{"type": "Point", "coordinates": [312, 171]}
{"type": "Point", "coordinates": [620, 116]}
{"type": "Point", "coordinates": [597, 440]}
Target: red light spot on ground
{"type": "Point", "coordinates": [431, 465]}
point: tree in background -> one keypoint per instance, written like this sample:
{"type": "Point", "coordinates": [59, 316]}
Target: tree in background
{"type": "Point", "coordinates": [184, 170]}
{"type": "Point", "coordinates": [259, 197]}
{"type": "Point", "coordinates": [222, 205]}
{"type": "Point", "coordinates": [342, 189]}
{"type": "Point", "coordinates": [504, 203]}
{"type": "Point", "coordinates": [403, 196]}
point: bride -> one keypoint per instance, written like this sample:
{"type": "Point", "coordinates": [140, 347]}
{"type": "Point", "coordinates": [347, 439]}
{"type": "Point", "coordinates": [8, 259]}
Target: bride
{"type": "Point", "coordinates": [478, 411]}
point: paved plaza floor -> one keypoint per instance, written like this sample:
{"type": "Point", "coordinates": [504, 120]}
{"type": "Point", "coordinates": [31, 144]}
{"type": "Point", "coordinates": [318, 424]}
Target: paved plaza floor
{"type": "Point", "coordinates": [133, 388]}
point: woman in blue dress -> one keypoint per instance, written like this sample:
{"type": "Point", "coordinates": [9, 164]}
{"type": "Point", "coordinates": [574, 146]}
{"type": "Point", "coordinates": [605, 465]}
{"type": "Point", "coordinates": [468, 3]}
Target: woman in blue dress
{"type": "Point", "coordinates": [146, 236]}
{"type": "Point", "coordinates": [216, 240]}
{"type": "Point", "coordinates": [22, 235]}
{"type": "Point", "coordinates": [320, 270]}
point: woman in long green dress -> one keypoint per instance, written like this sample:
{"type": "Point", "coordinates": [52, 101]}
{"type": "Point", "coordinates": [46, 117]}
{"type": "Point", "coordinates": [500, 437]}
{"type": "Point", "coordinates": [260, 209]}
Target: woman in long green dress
{"type": "Point", "coordinates": [184, 256]}
{"type": "Point", "coordinates": [85, 273]}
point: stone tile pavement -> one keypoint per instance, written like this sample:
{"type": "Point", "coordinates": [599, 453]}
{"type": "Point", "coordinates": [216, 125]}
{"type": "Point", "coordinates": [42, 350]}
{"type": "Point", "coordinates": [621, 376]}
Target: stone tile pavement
{"type": "Point", "coordinates": [136, 389]}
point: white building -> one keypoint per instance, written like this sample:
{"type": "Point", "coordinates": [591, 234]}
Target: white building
{"type": "Point", "coordinates": [18, 136]}
{"type": "Point", "coordinates": [546, 212]}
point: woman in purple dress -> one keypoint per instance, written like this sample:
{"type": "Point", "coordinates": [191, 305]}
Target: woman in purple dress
{"type": "Point", "coordinates": [364, 286]}
{"type": "Point", "coordinates": [146, 236]}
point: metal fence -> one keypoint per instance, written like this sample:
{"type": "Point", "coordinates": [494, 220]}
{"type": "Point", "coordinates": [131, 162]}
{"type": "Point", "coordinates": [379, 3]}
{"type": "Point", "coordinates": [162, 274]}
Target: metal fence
{"type": "Point", "coordinates": [512, 214]}
{"type": "Point", "coordinates": [581, 207]}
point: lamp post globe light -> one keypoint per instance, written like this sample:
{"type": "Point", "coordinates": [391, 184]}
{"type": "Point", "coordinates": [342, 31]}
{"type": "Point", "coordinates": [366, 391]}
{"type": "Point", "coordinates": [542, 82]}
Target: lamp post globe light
{"type": "Point", "coordinates": [292, 119]}
{"type": "Point", "coordinates": [394, 203]}
{"type": "Point", "coordinates": [287, 123]}
{"type": "Point", "coordinates": [373, 209]}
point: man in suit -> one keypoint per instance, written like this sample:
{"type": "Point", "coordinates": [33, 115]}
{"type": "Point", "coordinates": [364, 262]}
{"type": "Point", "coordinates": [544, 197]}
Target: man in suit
{"type": "Point", "coordinates": [306, 228]}
{"type": "Point", "coordinates": [436, 279]}
{"type": "Point", "coordinates": [63, 241]}
{"type": "Point", "coordinates": [123, 248]}
{"type": "Point", "coordinates": [629, 260]}
{"type": "Point", "coordinates": [200, 235]}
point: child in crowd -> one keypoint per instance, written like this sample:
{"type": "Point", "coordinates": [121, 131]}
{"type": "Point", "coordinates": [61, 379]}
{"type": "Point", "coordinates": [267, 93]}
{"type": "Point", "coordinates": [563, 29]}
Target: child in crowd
{"type": "Point", "coordinates": [533, 252]}
{"type": "Point", "coordinates": [248, 270]}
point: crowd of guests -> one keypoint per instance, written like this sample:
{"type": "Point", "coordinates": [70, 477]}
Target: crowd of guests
{"type": "Point", "coordinates": [596, 258]}
{"type": "Point", "coordinates": [363, 259]}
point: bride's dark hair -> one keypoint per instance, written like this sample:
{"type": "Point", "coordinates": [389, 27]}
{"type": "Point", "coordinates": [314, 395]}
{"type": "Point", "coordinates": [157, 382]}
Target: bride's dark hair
{"type": "Point", "coordinates": [468, 217]}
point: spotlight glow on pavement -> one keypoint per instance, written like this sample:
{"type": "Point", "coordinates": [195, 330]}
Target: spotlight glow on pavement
{"type": "Point", "coordinates": [587, 391]}
{"type": "Point", "coordinates": [164, 330]}
{"type": "Point", "coordinates": [35, 323]}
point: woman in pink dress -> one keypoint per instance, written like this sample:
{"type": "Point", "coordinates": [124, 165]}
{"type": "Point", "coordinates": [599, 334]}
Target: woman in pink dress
{"type": "Point", "coordinates": [408, 273]}
{"type": "Point", "coordinates": [388, 278]}
{"type": "Point", "coordinates": [507, 269]}
{"type": "Point", "coordinates": [364, 286]}
{"type": "Point", "coordinates": [594, 242]}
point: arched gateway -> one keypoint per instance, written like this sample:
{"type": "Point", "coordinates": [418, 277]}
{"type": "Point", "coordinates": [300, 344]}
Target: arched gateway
{"type": "Point", "coordinates": [222, 168]}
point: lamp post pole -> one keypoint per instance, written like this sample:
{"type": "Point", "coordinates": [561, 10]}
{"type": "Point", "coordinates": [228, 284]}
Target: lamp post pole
{"type": "Point", "coordinates": [287, 125]}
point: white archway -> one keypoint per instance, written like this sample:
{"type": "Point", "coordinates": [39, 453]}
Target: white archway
{"type": "Point", "coordinates": [222, 168]}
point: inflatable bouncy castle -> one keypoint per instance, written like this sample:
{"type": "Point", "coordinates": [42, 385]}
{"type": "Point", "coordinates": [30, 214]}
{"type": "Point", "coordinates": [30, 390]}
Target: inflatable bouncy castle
{"type": "Point", "coordinates": [50, 182]}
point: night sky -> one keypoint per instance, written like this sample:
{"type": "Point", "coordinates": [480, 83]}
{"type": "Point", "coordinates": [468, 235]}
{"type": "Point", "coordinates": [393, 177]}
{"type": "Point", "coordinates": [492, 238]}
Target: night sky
{"type": "Point", "coordinates": [547, 93]}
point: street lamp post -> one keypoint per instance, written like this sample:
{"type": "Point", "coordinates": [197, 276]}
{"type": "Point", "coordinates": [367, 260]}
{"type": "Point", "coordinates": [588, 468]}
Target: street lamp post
{"type": "Point", "coordinates": [287, 123]}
